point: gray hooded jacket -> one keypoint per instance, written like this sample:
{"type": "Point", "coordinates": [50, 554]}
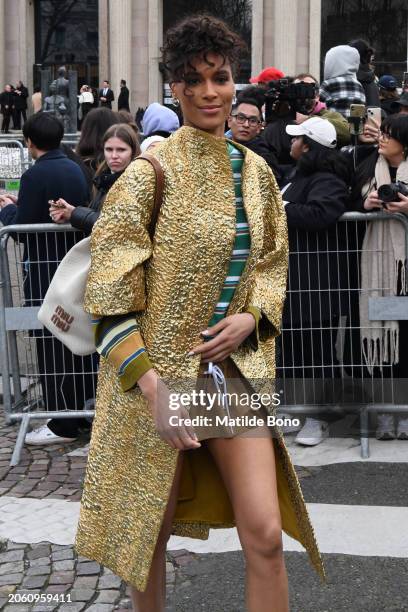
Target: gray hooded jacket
{"type": "Point", "coordinates": [340, 87]}
{"type": "Point", "coordinates": [341, 61]}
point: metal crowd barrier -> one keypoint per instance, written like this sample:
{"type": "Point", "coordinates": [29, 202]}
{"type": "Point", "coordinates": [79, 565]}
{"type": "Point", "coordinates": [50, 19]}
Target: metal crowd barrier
{"type": "Point", "coordinates": [41, 379]}
{"type": "Point", "coordinates": [320, 360]}
{"type": "Point", "coordinates": [14, 161]}
{"type": "Point", "coordinates": [322, 368]}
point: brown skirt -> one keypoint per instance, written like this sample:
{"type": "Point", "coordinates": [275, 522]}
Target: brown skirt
{"type": "Point", "coordinates": [240, 413]}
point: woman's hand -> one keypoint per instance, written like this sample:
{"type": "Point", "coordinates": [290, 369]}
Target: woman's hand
{"type": "Point", "coordinates": [401, 207]}
{"type": "Point", "coordinates": [7, 199]}
{"type": "Point", "coordinates": [61, 211]}
{"type": "Point", "coordinates": [230, 333]}
{"type": "Point", "coordinates": [371, 132]}
{"type": "Point", "coordinates": [174, 431]}
{"type": "Point", "coordinates": [372, 201]}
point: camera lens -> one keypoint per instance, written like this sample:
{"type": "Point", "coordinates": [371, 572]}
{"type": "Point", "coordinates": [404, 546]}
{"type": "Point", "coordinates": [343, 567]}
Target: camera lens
{"type": "Point", "coordinates": [387, 193]}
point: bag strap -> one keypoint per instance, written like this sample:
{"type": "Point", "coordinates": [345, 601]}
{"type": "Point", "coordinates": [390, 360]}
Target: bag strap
{"type": "Point", "coordinates": [158, 196]}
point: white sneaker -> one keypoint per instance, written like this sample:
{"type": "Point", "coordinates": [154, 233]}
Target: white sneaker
{"type": "Point", "coordinates": [402, 429]}
{"type": "Point", "coordinates": [313, 432]}
{"type": "Point", "coordinates": [385, 427]}
{"type": "Point", "coordinates": [43, 436]}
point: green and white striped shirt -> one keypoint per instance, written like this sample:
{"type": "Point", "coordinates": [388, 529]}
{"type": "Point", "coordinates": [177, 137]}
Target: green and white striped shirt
{"type": "Point", "coordinates": [242, 243]}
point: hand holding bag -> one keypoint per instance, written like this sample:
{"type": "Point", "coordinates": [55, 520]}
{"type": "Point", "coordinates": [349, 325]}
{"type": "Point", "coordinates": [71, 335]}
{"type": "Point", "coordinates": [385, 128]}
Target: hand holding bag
{"type": "Point", "coordinates": [62, 311]}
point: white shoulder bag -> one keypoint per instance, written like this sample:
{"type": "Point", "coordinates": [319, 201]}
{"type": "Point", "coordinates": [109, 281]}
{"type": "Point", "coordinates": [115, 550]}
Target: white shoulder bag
{"type": "Point", "coordinates": [62, 311]}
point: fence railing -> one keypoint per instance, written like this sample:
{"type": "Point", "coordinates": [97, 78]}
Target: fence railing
{"type": "Point", "coordinates": [321, 359]}
{"type": "Point", "coordinates": [41, 378]}
{"type": "Point", "coordinates": [14, 161]}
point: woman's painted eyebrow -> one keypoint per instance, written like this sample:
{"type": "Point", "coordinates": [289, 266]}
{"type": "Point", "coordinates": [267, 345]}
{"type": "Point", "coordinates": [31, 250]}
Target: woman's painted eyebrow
{"type": "Point", "coordinates": [195, 74]}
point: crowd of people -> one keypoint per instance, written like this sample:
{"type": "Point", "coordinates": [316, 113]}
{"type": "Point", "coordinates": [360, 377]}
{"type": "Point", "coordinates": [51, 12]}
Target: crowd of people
{"type": "Point", "coordinates": [323, 166]}
{"type": "Point", "coordinates": [14, 102]}
{"type": "Point", "coordinates": [13, 106]}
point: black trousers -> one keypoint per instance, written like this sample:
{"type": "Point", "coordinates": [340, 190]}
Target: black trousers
{"type": "Point", "coordinates": [18, 113]}
{"type": "Point", "coordinates": [67, 382]}
{"type": "Point", "coordinates": [5, 125]}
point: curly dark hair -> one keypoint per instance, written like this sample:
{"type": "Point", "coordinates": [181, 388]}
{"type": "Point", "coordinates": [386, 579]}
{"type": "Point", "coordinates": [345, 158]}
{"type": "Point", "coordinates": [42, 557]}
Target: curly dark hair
{"type": "Point", "coordinates": [197, 36]}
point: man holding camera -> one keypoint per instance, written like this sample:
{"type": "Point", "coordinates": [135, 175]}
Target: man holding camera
{"type": "Point", "coordinates": [294, 102]}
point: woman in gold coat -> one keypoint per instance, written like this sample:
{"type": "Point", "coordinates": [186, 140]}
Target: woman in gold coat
{"type": "Point", "coordinates": [146, 479]}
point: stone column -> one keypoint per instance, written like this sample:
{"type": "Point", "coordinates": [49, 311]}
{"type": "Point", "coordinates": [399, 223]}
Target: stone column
{"type": "Point", "coordinates": [268, 34]}
{"type": "Point", "coordinates": [103, 40]}
{"type": "Point", "coordinates": [2, 47]}
{"type": "Point", "coordinates": [27, 46]}
{"type": "Point", "coordinates": [139, 94]}
{"type": "Point", "coordinates": [155, 17]}
{"type": "Point", "coordinates": [18, 40]}
{"type": "Point", "coordinates": [120, 43]}
{"type": "Point", "coordinates": [257, 61]}
{"type": "Point", "coordinates": [285, 35]}
{"type": "Point", "coordinates": [315, 28]}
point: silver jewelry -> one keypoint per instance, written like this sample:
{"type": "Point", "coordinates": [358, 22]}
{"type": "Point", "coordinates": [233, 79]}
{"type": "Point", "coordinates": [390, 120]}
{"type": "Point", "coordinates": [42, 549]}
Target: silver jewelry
{"type": "Point", "coordinates": [176, 101]}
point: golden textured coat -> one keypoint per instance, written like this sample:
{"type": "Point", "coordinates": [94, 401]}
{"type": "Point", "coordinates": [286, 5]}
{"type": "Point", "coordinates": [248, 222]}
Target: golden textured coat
{"type": "Point", "coordinates": [174, 293]}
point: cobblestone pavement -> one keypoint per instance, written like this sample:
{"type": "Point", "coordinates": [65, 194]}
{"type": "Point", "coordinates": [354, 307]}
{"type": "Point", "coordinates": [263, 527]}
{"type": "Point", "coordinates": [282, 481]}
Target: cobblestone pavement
{"type": "Point", "coordinates": [28, 570]}
{"type": "Point", "coordinates": [373, 580]}
{"type": "Point", "coordinates": [66, 581]}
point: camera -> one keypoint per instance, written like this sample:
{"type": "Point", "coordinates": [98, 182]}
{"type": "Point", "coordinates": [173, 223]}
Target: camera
{"type": "Point", "coordinates": [285, 99]}
{"type": "Point", "coordinates": [389, 193]}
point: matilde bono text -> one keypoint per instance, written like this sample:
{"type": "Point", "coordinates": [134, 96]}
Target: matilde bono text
{"type": "Point", "coordinates": [239, 421]}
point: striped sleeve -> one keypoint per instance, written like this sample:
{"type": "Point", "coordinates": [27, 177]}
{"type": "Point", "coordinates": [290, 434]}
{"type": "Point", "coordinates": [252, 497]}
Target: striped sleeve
{"type": "Point", "coordinates": [117, 339]}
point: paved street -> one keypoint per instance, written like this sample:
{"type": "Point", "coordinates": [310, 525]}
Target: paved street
{"type": "Point", "coordinates": [359, 510]}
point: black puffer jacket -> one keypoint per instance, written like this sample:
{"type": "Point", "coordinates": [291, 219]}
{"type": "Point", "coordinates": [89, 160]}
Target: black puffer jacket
{"type": "Point", "coordinates": [85, 217]}
{"type": "Point", "coordinates": [367, 79]}
{"type": "Point", "coordinates": [313, 204]}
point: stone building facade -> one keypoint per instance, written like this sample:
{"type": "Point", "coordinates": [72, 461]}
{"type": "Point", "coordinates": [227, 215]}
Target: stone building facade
{"type": "Point", "coordinates": [285, 33]}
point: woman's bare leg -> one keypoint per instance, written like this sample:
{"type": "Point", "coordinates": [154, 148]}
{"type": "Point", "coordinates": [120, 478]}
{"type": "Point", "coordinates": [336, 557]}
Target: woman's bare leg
{"type": "Point", "coordinates": [247, 466]}
{"type": "Point", "coordinates": [153, 599]}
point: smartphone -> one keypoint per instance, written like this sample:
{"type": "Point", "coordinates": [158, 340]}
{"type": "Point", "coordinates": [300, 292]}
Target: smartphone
{"type": "Point", "coordinates": [357, 118]}
{"type": "Point", "coordinates": [374, 115]}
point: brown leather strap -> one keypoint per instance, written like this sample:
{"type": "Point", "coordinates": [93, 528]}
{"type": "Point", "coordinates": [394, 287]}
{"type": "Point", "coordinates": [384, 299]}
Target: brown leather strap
{"type": "Point", "coordinates": [158, 196]}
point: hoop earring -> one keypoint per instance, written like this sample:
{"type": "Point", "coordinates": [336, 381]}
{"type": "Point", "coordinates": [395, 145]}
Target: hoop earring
{"type": "Point", "coordinates": [176, 102]}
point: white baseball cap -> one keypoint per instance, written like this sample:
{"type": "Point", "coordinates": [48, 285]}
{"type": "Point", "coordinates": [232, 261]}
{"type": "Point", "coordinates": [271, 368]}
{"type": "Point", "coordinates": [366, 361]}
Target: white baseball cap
{"type": "Point", "coordinates": [317, 129]}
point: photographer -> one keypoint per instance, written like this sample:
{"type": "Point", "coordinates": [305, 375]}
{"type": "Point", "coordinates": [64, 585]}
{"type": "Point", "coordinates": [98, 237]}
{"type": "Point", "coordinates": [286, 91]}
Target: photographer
{"type": "Point", "coordinates": [381, 185]}
{"type": "Point", "coordinates": [294, 102]}
{"type": "Point", "coordinates": [316, 108]}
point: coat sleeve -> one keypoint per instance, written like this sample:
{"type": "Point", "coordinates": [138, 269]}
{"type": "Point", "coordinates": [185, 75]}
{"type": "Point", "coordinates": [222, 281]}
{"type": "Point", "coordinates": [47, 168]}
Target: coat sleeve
{"type": "Point", "coordinates": [268, 281]}
{"type": "Point", "coordinates": [30, 207]}
{"type": "Point", "coordinates": [84, 218]}
{"type": "Point", "coordinates": [120, 244]}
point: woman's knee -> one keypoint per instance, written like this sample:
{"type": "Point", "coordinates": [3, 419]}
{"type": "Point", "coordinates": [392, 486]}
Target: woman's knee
{"type": "Point", "coordinates": [263, 539]}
